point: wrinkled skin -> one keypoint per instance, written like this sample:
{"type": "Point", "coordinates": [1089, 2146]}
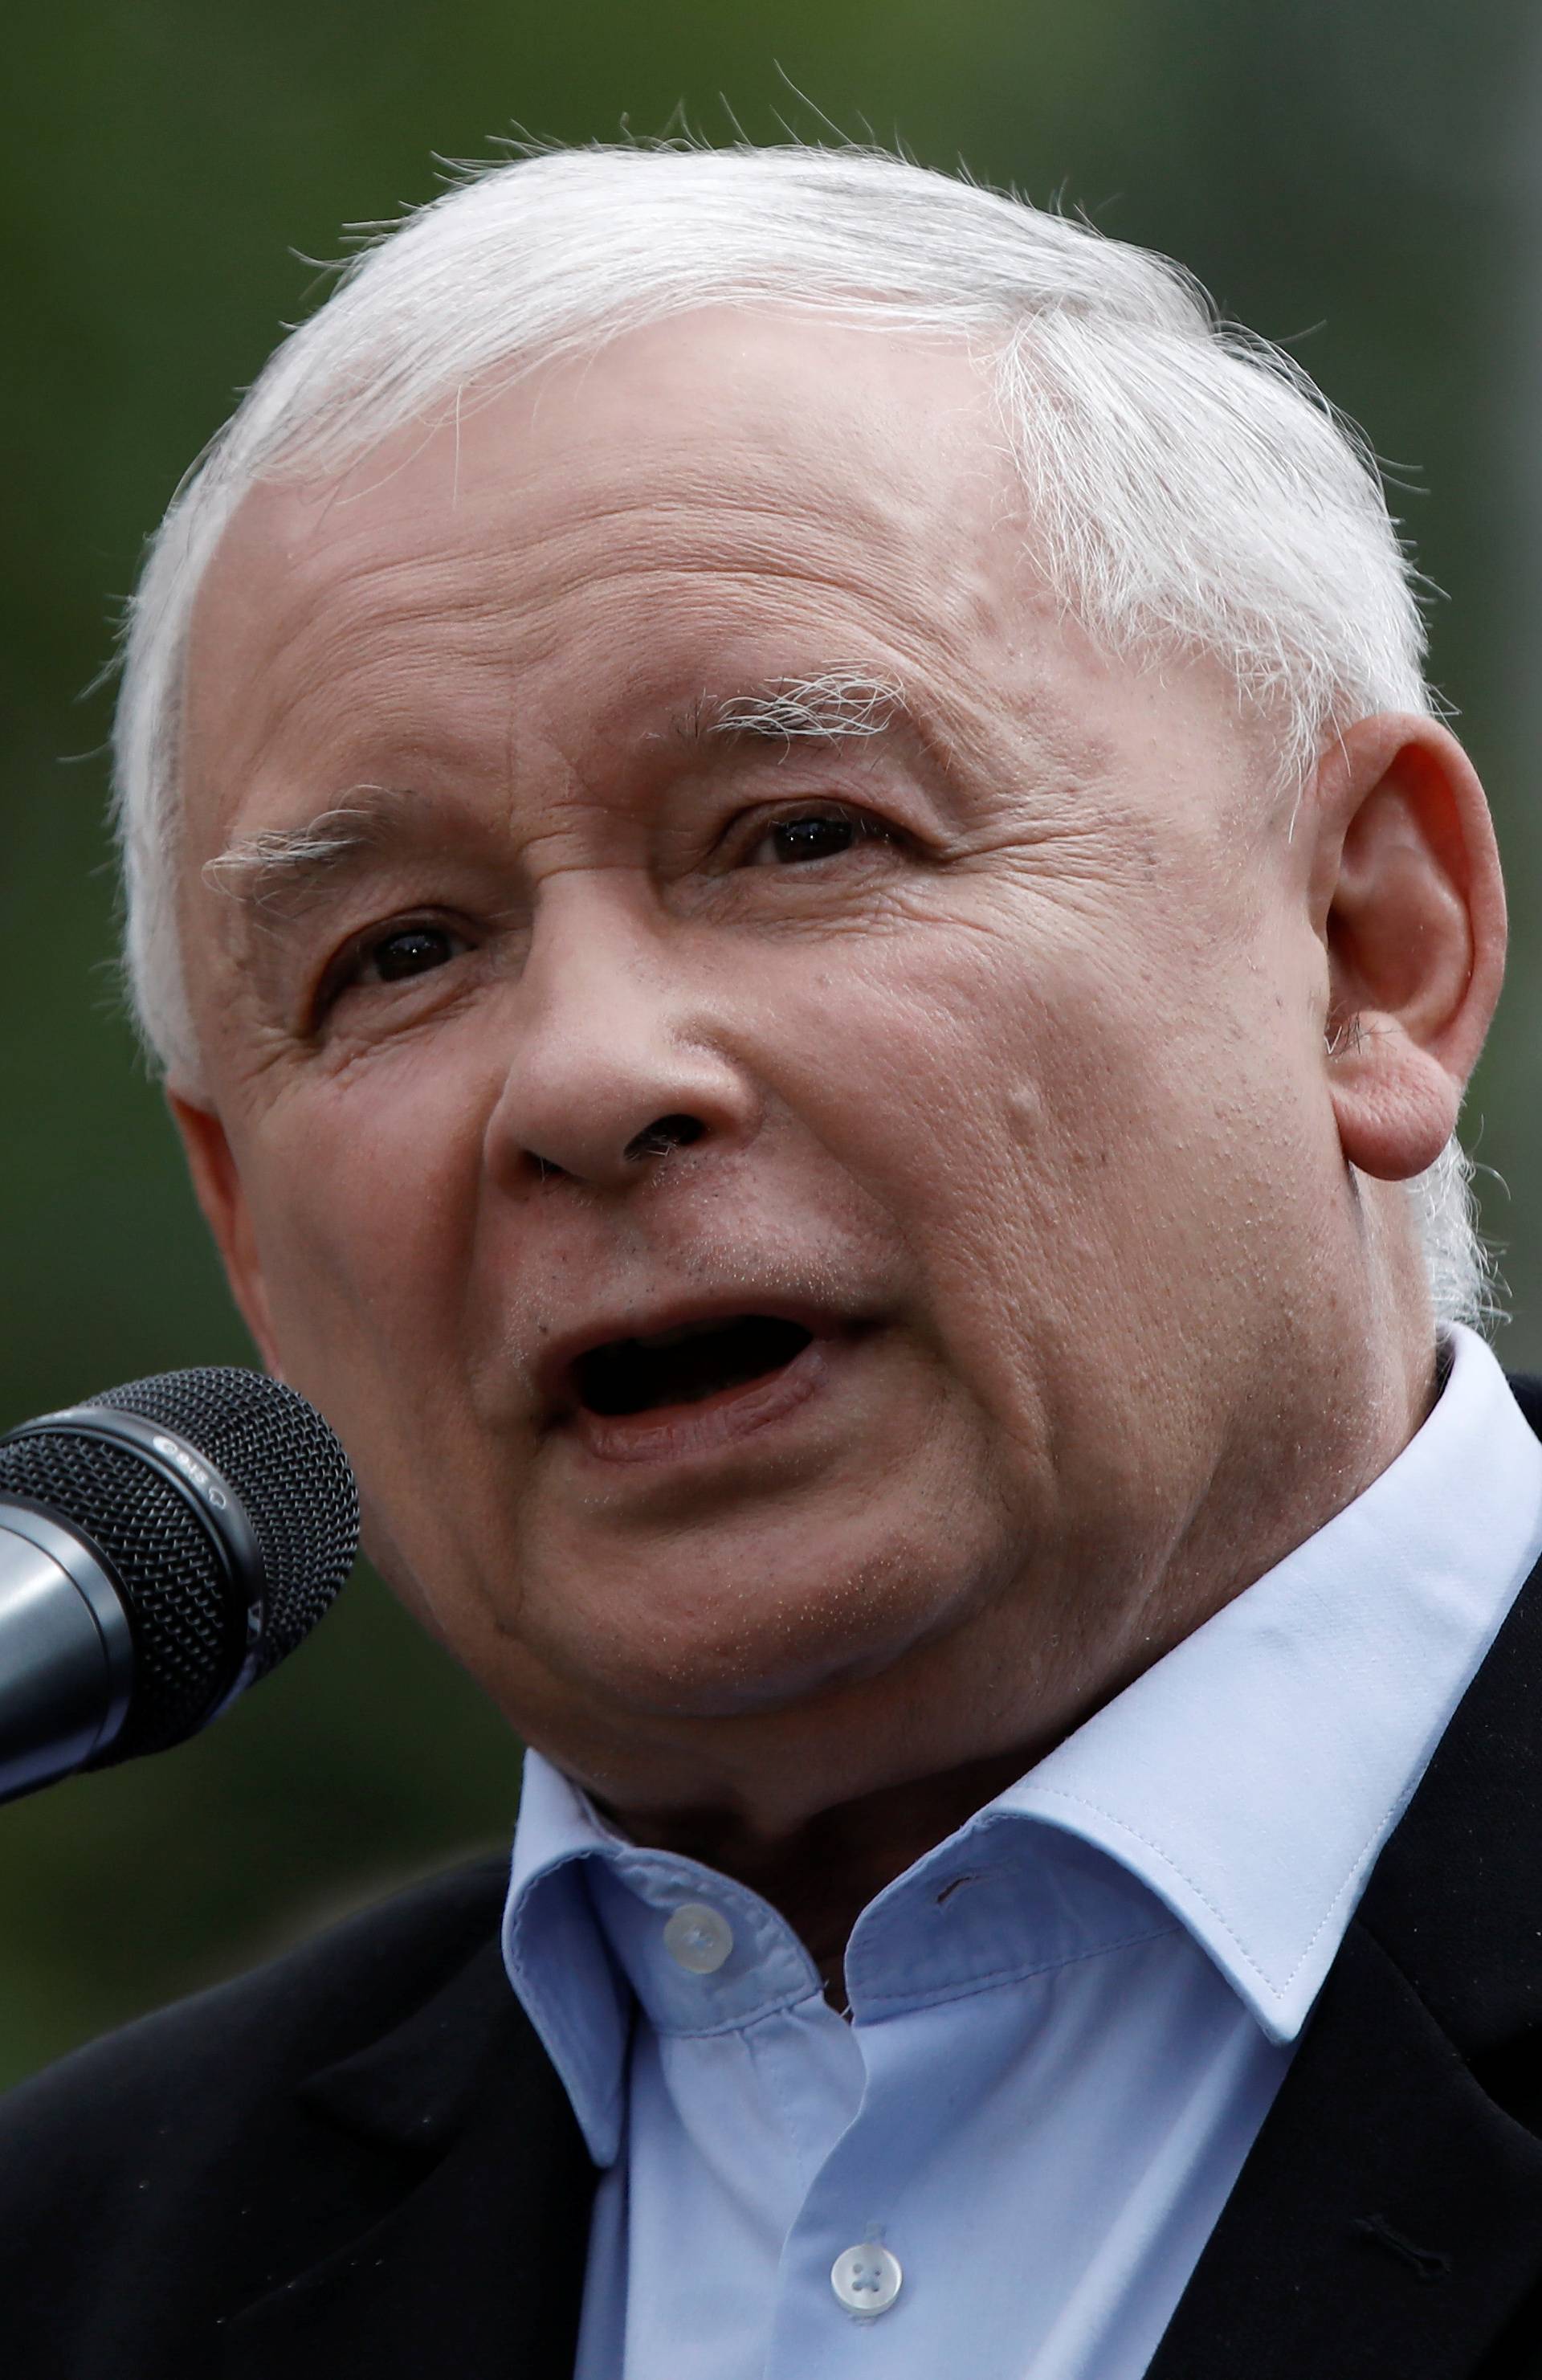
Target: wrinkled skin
{"type": "Point", "coordinates": [1064, 1090]}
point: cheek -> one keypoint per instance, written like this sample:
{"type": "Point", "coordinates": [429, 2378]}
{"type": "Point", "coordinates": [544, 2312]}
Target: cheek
{"type": "Point", "coordinates": [972, 1096]}
{"type": "Point", "coordinates": [1069, 1145]}
{"type": "Point", "coordinates": [362, 1193]}
{"type": "Point", "coordinates": [920, 1076]}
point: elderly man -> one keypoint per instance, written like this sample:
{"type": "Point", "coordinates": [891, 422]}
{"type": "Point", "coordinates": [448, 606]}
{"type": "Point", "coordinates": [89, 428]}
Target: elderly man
{"type": "Point", "coordinates": [817, 952]}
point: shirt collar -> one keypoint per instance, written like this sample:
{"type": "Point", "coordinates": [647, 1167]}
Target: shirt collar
{"type": "Point", "coordinates": [557, 1957]}
{"type": "Point", "coordinates": [583, 1924]}
{"type": "Point", "coordinates": [1251, 1777]}
{"type": "Point", "coordinates": [1248, 1779]}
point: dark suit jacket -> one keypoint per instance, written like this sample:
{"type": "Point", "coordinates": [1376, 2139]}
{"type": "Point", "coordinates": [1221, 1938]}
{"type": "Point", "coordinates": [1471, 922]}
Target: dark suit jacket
{"type": "Point", "coordinates": [358, 2160]}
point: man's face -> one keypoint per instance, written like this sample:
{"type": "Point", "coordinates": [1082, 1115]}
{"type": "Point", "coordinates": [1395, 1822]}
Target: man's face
{"type": "Point", "coordinates": [955, 1085]}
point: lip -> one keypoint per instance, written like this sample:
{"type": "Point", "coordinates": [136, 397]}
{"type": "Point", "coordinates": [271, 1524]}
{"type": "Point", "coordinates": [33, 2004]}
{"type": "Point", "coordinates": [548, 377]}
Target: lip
{"type": "Point", "coordinates": [553, 1374]}
{"type": "Point", "coordinates": [668, 1434]}
{"type": "Point", "coordinates": [671, 1433]}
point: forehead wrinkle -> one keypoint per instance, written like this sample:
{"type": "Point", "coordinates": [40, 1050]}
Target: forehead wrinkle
{"type": "Point", "coordinates": [294, 665]}
{"type": "Point", "coordinates": [458, 565]}
{"type": "Point", "coordinates": [486, 566]}
{"type": "Point", "coordinates": [347, 611]}
{"type": "Point", "coordinates": [342, 615]}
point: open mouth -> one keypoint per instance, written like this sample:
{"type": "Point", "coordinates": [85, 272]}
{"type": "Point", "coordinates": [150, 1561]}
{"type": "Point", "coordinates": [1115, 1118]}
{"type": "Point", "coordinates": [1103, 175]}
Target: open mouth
{"type": "Point", "coordinates": [685, 1365]}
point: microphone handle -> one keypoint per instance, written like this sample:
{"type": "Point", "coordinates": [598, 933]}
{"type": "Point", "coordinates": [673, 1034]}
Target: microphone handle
{"type": "Point", "coordinates": [66, 1655]}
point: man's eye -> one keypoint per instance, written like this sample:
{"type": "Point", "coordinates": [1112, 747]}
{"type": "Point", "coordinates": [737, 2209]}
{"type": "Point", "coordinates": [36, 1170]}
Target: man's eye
{"type": "Point", "coordinates": [815, 835]}
{"type": "Point", "coordinates": [408, 950]}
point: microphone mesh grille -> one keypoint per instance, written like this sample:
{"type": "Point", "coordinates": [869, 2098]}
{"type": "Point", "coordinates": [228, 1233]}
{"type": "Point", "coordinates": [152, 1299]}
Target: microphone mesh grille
{"type": "Point", "coordinates": [289, 1472]}
{"type": "Point", "coordinates": [294, 1485]}
{"type": "Point", "coordinates": [185, 1645]}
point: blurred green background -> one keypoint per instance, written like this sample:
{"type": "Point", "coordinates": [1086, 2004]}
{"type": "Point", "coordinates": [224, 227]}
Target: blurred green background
{"type": "Point", "coordinates": [1353, 177]}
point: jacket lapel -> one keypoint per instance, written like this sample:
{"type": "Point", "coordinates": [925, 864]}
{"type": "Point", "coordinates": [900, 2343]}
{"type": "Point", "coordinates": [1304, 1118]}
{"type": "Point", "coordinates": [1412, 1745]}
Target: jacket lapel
{"type": "Point", "coordinates": [477, 2267]}
{"type": "Point", "coordinates": [1389, 2221]}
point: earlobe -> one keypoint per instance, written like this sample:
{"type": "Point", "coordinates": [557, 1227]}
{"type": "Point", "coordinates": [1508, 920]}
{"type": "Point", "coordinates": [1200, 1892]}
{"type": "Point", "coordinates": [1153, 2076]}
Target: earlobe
{"type": "Point", "coordinates": [1411, 912]}
{"type": "Point", "coordinates": [217, 1186]}
{"type": "Point", "coordinates": [1395, 1105]}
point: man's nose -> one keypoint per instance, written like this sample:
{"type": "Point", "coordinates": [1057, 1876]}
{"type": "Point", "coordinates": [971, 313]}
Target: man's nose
{"type": "Point", "coordinates": [614, 1063]}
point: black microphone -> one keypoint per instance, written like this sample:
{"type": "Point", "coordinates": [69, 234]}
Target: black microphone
{"type": "Point", "coordinates": [162, 1548]}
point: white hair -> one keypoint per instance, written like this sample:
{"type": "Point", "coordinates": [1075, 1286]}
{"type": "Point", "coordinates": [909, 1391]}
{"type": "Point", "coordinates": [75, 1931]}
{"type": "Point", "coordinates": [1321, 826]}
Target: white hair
{"type": "Point", "coordinates": [1190, 489]}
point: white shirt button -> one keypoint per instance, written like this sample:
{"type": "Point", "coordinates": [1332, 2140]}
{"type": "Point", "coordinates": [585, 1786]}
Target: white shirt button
{"type": "Point", "coordinates": [866, 2279]}
{"type": "Point", "coordinates": [699, 1938]}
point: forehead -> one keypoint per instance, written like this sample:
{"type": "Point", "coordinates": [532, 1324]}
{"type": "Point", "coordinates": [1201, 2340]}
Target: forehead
{"type": "Point", "coordinates": [715, 494]}
{"type": "Point", "coordinates": [523, 602]}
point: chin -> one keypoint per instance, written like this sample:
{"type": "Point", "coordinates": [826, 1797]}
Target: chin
{"type": "Point", "coordinates": [736, 1649]}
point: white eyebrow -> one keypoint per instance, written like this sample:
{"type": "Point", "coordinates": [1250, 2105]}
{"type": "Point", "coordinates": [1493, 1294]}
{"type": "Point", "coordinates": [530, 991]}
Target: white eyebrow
{"type": "Point", "coordinates": [828, 709]}
{"type": "Point", "coordinates": [834, 707]}
{"type": "Point", "coordinates": [262, 867]}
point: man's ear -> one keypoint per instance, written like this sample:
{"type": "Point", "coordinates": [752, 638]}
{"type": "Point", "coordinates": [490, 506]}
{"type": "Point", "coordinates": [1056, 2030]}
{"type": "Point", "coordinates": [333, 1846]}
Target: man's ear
{"type": "Point", "coordinates": [1409, 903]}
{"type": "Point", "coordinates": [217, 1186]}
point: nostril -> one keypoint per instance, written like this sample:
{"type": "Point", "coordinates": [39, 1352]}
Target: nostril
{"type": "Point", "coordinates": [663, 1134]}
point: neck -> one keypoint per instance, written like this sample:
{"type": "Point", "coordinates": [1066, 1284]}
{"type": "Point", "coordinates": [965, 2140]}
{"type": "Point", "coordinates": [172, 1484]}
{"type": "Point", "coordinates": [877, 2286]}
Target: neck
{"type": "Point", "coordinates": [822, 1874]}
{"type": "Point", "coordinates": [822, 1866]}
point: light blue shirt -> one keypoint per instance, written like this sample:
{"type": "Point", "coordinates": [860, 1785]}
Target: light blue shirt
{"type": "Point", "coordinates": [1067, 2022]}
